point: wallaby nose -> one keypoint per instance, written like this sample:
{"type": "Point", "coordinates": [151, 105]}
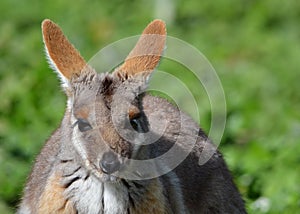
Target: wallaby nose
{"type": "Point", "coordinates": [109, 163]}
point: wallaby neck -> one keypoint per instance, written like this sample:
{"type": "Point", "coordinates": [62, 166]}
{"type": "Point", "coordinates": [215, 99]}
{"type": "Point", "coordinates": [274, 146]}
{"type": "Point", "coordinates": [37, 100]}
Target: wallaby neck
{"type": "Point", "coordinates": [89, 195]}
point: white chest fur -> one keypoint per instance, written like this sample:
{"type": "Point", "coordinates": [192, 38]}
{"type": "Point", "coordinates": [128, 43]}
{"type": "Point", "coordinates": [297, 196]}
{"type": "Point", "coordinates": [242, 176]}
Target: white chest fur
{"type": "Point", "coordinates": [90, 196]}
{"type": "Point", "coordinates": [115, 198]}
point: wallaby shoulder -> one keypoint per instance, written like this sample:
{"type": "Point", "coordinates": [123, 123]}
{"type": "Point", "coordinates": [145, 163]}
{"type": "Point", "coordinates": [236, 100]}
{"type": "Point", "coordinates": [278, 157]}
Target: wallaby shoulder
{"type": "Point", "coordinates": [204, 178]}
{"type": "Point", "coordinates": [43, 168]}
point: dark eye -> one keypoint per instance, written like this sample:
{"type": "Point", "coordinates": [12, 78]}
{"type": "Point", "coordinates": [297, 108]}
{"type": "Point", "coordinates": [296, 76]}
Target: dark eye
{"type": "Point", "coordinates": [83, 125]}
{"type": "Point", "coordinates": [135, 123]}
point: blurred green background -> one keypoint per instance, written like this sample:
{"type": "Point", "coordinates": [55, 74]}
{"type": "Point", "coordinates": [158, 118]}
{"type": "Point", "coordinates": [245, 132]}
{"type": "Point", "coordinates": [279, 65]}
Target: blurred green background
{"type": "Point", "coordinates": [253, 45]}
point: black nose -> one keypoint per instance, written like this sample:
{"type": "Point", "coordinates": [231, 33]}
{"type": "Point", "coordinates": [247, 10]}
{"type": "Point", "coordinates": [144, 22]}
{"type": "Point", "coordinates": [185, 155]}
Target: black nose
{"type": "Point", "coordinates": [109, 163]}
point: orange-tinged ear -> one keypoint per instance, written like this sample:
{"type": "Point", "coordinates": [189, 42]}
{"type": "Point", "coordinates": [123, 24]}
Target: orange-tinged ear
{"type": "Point", "coordinates": [147, 52]}
{"type": "Point", "coordinates": [63, 57]}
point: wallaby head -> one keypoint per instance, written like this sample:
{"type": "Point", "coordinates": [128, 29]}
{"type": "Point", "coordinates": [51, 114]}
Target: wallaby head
{"type": "Point", "coordinates": [104, 118]}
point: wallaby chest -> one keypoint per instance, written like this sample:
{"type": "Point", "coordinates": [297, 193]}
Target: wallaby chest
{"type": "Point", "coordinates": [80, 192]}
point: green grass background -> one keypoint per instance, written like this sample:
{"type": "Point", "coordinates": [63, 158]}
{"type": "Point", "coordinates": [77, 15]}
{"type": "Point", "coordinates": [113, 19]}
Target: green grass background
{"type": "Point", "coordinates": [253, 45]}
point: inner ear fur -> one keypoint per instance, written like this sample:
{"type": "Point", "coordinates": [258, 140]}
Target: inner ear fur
{"type": "Point", "coordinates": [146, 54]}
{"type": "Point", "coordinates": [63, 56]}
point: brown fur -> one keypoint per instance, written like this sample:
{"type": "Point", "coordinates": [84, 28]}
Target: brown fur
{"type": "Point", "coordinates": [52, 200]}
{"type": "Point", "coordinates": [66, 57]}
{"type": "Point", "coordinates": [146, 54]}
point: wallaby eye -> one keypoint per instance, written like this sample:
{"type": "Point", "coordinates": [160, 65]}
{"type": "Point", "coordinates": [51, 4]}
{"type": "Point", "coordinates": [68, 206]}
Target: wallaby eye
{"type": "Point", "coordinates": [134, 118]}
{"type": "Point", "coordinates": [135, 123]}
{"type": "Point", "coordinates": [83, 125]}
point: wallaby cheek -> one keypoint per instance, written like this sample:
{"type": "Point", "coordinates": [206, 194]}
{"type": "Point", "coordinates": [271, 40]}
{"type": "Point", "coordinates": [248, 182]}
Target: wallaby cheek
{"type": "Point", "coordinates": [78, 144]}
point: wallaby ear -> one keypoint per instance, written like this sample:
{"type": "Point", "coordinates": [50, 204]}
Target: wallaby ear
{"type": "Point", "coordinates": [63, 57]}
{"type": "Point", "coordinates": [146, 54]}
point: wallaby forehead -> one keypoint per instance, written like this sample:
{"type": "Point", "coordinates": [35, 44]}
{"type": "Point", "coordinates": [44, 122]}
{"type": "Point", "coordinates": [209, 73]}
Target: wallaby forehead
{"type": "Point", "coordinates": [89, 81]}
{"type": "Point", "coordinates": [105, 91]}
{"type": "Point", "coordinates": [88, 87]}
{"type": "Point", "coordinates": [93, 93]}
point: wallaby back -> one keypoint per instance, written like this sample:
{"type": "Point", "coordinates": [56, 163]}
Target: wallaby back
{"type": "Point", "coordinates": [117, 148]}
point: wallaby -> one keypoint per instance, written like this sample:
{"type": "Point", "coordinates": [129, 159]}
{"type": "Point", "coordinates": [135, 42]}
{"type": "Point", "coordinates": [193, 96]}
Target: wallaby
{"type": "Point", "coordinates": [97, 161]}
